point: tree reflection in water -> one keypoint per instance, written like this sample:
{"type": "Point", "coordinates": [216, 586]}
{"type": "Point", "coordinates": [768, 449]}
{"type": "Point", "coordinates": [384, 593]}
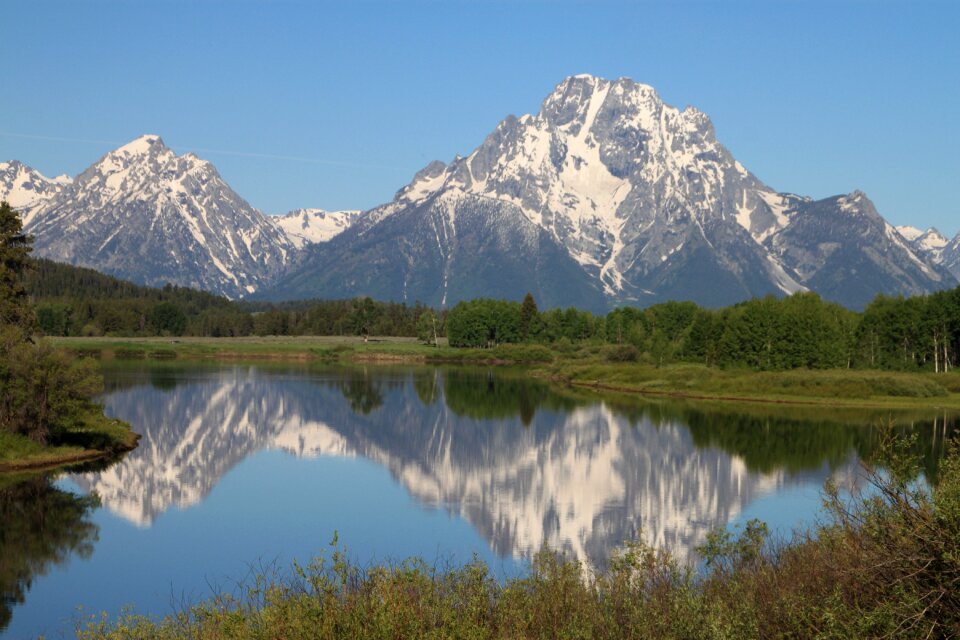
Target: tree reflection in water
{"type": "Point", "coordinates": [40, 527]}
{"type": "Point", "coordinates": [361, 392]}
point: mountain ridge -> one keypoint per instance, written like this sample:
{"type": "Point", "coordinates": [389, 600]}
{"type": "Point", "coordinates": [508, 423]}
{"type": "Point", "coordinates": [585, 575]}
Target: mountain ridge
{"type": "Point", "coordinates": [606, 196]}
{"type": "Point", "coordinates": [143, 213]}
{"type": "Point", "coordinates": [641, 197]}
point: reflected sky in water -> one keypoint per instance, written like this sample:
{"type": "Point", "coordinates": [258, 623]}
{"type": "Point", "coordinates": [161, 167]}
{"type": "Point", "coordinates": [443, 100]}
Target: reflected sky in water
{"type": "Point", "coordinates": [243, 466]}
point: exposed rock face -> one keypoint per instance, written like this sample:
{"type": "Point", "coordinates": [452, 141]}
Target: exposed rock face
{"type": "Point", "coordinates": [145, 214]}
{"type": "Point", "coordinates": [935, 247]}
{"type": "Point", "coordinates": [609, 196]}
{"type": "Point", "coordinates": [310, 226]}
{"type": "Point", "coordinates": [27, 190]}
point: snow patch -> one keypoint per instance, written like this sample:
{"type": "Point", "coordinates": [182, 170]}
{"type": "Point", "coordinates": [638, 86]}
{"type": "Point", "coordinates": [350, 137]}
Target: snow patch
{"type": "Point", "coordinates": [783, 280]}
{"type": "Point", "coordinates": [908, 232]}
{"type": "Point", "coordinates": [310, 226]}
{"type": "Point", "coordinates": [141, 145]}
{"type": "Point", "coordinates": [898, 239]}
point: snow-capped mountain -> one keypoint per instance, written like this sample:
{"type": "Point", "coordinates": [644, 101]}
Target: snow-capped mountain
{"type": "Point", "coordinates": [607, 196]}
{"type": "Point", "coordinates": [309, 226]}
{"type": "Point", "coordinates": [27, 190]}
{"type": "Point", "coordinates": [935, 246]}
{"type": "Point", "coordinates": [930, 242]}
{"type": "Point", "coordinates": [145, 214]}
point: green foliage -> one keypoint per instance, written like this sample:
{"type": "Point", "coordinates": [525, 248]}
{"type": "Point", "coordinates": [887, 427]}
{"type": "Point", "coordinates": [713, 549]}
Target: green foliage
{"type": "Point", "coordinates": [768, 334]}
{"type": "Point", "coordinates": [483, 323]}
{"type": "Point", "coordinates": [622, 353]}
{"type": "Point", "coordinates": [428, 330]}
{"type": "Point", "coordinates": [15, 248]}
{"type": "Point", "coordinates": [44, 393]}
{"type": "Point", "coordinates": [885, 564]}
{"type": "Point", "coordinates": [168, 319]}
{"type": "Point", "coordinates": [529, 316]}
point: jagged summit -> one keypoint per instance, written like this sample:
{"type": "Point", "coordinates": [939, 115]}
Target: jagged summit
{"type": "Point", "coordinates": [26, 189]}
{"type": "Point", "coordinates": [607, 195]}
{"type": "Point", "coordinates": [146, 143]}
{"type": "Point", "coordinates": [144, 213]}
{"type": "Point", "coordinates": [936, 247]}
{"type": "Point", "coordinates": [631, 199]}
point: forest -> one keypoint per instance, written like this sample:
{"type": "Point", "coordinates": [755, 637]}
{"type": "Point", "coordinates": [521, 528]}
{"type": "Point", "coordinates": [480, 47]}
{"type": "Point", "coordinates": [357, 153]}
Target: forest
{"type": "Point", "coordinates": [919, 333]}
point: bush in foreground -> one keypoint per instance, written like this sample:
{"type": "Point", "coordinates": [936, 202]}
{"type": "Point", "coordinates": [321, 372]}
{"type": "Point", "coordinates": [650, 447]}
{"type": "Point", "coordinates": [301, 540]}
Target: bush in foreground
{"type": "Point", "coordinates": [886, 564]}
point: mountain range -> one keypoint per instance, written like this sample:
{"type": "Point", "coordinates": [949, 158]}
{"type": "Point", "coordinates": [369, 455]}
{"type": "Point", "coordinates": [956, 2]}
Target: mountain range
{"type": "Point", "coordinates": [606, 196]}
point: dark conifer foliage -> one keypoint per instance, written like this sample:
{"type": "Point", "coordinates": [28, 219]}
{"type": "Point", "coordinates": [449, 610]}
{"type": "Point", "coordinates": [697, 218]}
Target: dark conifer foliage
{"type": "Point", "coordinates": [43, 392]}
{"type": "Point", "coordinates": [770, 333]}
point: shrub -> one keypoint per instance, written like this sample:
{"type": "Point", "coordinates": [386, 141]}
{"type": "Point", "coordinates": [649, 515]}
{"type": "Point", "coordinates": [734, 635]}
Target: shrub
{"type": "Point", "coordinates": [622, 353]}
{"type": "Point", "coordinates": [885, 564]}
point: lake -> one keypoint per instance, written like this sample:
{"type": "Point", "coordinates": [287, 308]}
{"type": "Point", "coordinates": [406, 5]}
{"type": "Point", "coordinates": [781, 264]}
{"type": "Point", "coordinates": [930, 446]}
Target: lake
{"type": "Point", "coordinates": [243, 468]}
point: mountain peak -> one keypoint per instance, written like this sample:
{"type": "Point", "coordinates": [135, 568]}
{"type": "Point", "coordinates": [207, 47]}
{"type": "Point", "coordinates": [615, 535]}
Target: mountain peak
{"type": "Point", "coordinates": [147, 143]}
{"type": "Point", "coordinates": [143, 213]}
{"type": "Point", "coordinates": [26, 189]}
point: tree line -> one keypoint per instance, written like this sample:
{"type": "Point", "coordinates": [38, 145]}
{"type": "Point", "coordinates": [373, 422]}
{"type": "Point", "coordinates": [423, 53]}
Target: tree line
{"type": "Point", "coordinates": [767, 334]}
{"type": "Point", "coordinates": [799, 331]}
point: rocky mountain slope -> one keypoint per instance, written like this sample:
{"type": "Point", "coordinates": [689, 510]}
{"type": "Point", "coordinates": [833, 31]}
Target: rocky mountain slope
{"type": "Point", "coordinates": [27, 190]}
{"type": "Point", "coordinates": [309, 226]}
{"type": "Point", "coordinates": [607, 196]}
{"type": "Point", "coordinates": [610, 196]}
{"type": "Point", "coordinates": [145, 214]}
{"type": "Point", "coordinates": [935, 246]}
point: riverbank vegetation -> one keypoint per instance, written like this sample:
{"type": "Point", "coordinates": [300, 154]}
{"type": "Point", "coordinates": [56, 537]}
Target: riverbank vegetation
{"type": "Point", "coordinates": [801, 331]}
{"type": "Point", "coordinates": [586, 365]}
{"type": "Point", "coordinates": [884, 563]}
{"type": "Point", "coordinates": [46, 412]}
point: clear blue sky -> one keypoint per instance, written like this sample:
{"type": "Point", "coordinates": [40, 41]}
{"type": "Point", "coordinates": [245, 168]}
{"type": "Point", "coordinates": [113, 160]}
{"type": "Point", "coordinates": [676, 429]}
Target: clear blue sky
{"type": "Point", "coordinates": [814, 98]}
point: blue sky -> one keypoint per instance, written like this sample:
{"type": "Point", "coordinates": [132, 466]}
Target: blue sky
{"type": "Point", "coordinates": [354, 98]}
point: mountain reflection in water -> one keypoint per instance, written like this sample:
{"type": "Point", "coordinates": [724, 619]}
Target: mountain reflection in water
{"type": "Point", "coordinates": [525, 465]}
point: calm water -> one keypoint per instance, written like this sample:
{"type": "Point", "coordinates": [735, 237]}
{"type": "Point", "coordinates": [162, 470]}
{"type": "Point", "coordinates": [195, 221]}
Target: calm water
{"type": "Point", "coordinates": [242, 467]}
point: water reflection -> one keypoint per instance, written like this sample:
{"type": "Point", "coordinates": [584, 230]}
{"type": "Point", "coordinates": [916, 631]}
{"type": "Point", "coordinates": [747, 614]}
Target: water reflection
{"type": "Point", "coordinates": [525, 465]}
{"type": "Point", "coordinates": [40, 527]}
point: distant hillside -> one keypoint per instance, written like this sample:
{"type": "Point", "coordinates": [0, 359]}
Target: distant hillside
{"type": "Point", "coordinates": [52, 280]}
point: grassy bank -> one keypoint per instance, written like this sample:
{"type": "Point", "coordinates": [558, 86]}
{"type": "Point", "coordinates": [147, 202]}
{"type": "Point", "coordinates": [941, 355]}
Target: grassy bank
{"type": "Point", "coordinates": [302, 348]}
{"type": "Point", "coordinates": [837, 388]}
{"type": "Point", "coordinates": [92, 438]}
{"type": "Point", "coordinates": [586, 366]}
{"type": "Point", "coordinates": [883, 564]}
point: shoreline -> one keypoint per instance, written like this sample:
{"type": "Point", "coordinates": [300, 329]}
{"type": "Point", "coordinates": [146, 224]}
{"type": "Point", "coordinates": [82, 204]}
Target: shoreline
{"type": "Point", "coordinates": [821, 401]}
{"type": "Point", "coordinates": [51, 460]}
{"type": "Point", "coordinates": [868, 389]}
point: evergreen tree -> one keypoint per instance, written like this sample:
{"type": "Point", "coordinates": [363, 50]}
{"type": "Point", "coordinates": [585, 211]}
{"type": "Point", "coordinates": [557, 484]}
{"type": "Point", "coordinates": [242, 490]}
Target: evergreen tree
{"type": "Point", "coordinates": [15, 248]}
{"type": "Point", "coordinates": [528, 315]}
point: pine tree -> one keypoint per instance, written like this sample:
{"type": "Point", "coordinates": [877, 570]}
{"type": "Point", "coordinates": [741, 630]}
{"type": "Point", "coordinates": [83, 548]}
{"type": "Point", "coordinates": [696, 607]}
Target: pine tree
{"type": "Point", "coordinates": [528, 313]}
{"type": "Point", "coordinates": [15, 310]}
